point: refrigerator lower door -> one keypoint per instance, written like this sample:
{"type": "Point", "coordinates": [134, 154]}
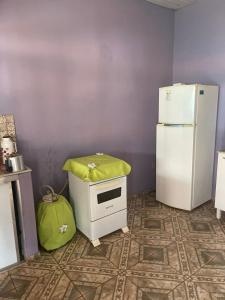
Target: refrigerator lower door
{"type": "Point", "coordinates": [174, 160]}
{"type": "Point", "coordinates": [8, 234]}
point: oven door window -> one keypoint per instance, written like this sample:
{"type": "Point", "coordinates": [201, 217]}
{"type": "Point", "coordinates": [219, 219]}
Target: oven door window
{"type": "Point", "coordinates": [109, 195]}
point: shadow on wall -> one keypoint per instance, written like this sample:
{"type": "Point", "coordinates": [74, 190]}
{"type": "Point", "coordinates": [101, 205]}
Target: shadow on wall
{"type": "Point", "coordinates": [47, 164]}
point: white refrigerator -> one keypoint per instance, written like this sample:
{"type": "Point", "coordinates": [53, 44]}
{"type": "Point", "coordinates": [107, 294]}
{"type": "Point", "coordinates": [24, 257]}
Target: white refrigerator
{"type": "Point", "coordinates": [185, 144]}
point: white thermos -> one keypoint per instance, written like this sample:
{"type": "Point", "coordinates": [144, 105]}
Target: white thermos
{"type": "Point", "coordinates": [8, 147]}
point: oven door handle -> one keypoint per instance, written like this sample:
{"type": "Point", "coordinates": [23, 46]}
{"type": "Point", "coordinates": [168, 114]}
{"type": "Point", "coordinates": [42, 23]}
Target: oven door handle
{"type": "Point", "coordinates": [104, 186]}
{"type": "Point", "coordinates": [110, 206]}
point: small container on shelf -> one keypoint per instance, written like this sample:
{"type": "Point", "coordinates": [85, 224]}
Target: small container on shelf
{"type": "Point", "coordinates": [8, 147]}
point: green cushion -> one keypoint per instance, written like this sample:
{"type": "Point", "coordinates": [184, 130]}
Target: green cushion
{"type": "Point", "coordinates": [101, 167]}
{"type": "Point", "coordinates": [55, 222]}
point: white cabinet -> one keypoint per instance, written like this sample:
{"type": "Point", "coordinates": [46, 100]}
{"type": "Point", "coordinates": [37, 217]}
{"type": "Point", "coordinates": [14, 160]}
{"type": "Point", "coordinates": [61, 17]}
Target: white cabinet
{"type": "Point", "coordinates": [220, 185]}
{"type": "Point", "coordinates": [18, 234]}
{"type": "Point", "coordinates": [9, 252]}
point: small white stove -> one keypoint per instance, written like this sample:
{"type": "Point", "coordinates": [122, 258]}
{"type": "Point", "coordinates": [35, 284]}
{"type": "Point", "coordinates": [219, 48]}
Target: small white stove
{"type": "Point", "coordinates": [100, 207]}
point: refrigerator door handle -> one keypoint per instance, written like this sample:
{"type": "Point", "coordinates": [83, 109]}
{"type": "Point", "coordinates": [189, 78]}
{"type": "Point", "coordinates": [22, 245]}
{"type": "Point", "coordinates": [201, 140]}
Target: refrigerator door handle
{"type": "Point", "coordinates": [175, 125]}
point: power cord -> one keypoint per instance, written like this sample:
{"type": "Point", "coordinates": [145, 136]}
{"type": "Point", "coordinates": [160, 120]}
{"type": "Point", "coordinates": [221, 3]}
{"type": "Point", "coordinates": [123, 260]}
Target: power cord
{"type": "Point", "coordinates": [50, 195]}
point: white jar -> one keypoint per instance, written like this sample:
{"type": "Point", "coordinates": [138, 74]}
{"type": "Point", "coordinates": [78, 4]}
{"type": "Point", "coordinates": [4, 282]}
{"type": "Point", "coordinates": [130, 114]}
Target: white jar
{"type": "Point", "coordinates": [8, 147]}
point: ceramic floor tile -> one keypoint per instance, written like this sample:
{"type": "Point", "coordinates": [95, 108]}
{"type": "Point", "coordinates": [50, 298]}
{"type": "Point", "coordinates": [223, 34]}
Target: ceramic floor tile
{"type": "Point", "coordinates": [147, 202]}
{"type": "Point", "coordinates": [201, 228]}
{"type": "Point", "coordinates": [43, 261]}
{"type": "Point", "coordinates": [107, 255]}
{"type": "Point", "coordinates": [206, 259]}
{"type": "Point", "coordinates": [34, 281]}
{"type": "Point", "coordinates": [7, 288]}
{"type": "Point", "coordinates": [64, 289]}
{"type": "Point", "coordinates": [91, 285]}
{"type": "Point", "coordinates": [154, 256]}
{"type": "Point", "coordinates": [205, 288]}
{"type": "Point", "coordinates": [146, 289]}
{"type": "Point", "coordinates": [152, 225]}
{"type": "Point", "coordinates": [60, 253]}
{"type": "Point", "coordinates": [206, 210]}
{"type": "Point", "coordinates": [167, 254]}
{"type": "Point", "coordinates": [3, 276]}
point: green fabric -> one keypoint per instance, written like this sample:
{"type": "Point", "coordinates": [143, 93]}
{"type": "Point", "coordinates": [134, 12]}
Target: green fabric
{"type": "Point", "coordinates": [50, 220]}
{"type": "Point", "coordinates": [106, 167]}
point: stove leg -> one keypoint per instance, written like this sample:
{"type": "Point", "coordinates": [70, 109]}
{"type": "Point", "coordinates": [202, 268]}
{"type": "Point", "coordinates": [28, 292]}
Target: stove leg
{"type": "Point", "coordinates": [95, 243]}
{"type": "Point", "coordinates": [125, 229]}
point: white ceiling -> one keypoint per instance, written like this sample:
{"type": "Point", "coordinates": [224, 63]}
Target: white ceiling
{"type": "Point", "coordinates": [174, 4]}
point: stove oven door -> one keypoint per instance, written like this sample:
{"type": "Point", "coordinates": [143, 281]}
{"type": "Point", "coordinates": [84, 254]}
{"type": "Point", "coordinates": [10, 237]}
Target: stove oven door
{"type": "Point", "coordinates": [108, 197]}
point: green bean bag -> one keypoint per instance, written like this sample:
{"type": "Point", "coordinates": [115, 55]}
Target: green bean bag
{"type": "Point", "coordinates": [55, 223]}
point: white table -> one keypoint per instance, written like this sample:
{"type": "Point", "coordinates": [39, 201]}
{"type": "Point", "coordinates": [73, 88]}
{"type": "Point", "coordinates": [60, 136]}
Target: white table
{"type": "Point", "coordinates": [17, 213]}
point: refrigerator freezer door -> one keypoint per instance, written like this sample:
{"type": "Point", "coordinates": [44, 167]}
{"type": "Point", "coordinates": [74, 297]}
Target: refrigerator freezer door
{"type": "Point", "coordinates": [177, 104]}
{"type": "Point", "coordinates": [174, 165]}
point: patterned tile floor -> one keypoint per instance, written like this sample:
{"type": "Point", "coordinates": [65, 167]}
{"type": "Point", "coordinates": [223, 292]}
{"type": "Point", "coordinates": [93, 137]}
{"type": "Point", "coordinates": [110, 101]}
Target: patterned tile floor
{"type": "Point", "coordinates": [168, 254]}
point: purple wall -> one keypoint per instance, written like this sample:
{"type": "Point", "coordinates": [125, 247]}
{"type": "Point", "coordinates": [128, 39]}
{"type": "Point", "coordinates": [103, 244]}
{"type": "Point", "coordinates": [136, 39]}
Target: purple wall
{"type": "Point", "coordinates": [199, 51]}
{"type": "Point", "coordinates": [82, 76]}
